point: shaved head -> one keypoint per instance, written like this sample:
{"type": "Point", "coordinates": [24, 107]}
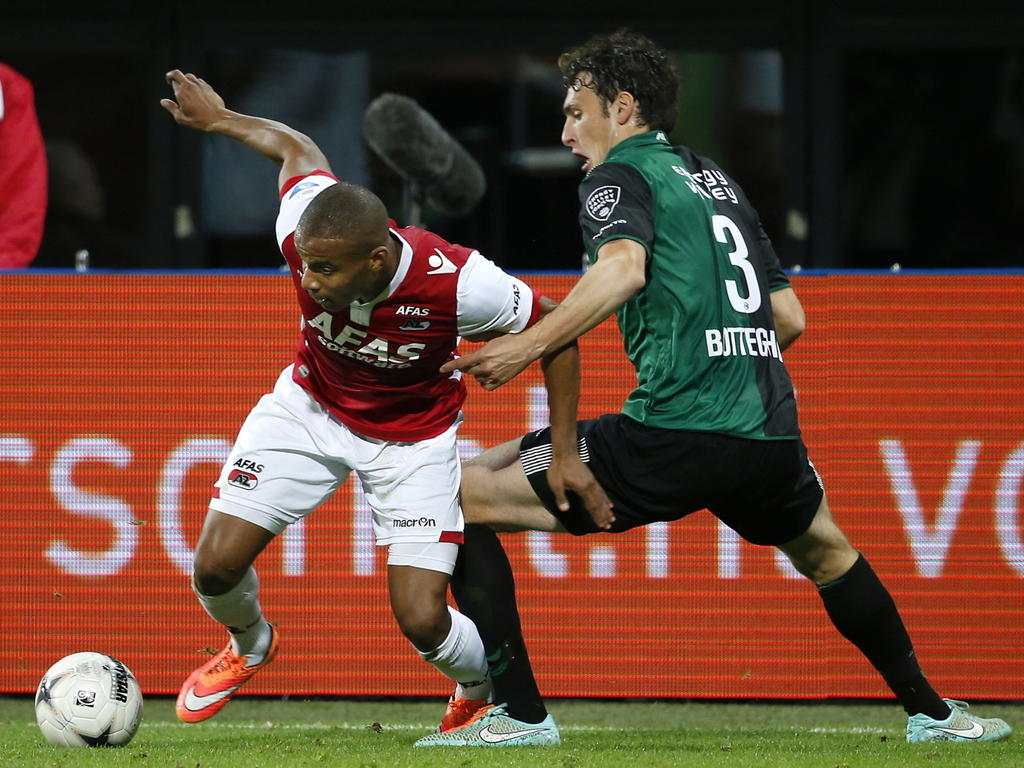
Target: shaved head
{"type": "Point", "coordinates": [346, 212]}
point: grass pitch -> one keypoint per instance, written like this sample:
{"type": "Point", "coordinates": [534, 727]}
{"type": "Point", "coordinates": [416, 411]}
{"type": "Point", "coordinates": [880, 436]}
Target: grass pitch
{"type": "Point", "coordinates": [256, 733]}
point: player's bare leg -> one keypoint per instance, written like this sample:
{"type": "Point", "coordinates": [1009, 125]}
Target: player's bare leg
{"type": "Point", "coordinates": [495, 490]}
{"type": "Point", "coordinates": [496, 493]}
{"type": "Point", "coordinates": [227, 587]}
{"type": "Point", "coordinates": [418, 604]}
{"type": "Point", "coordinates": [441, 635]}
{"type": "Point", "coordinates": [822, 552]}
{"type": "Point", "coordinates": [863, 611]}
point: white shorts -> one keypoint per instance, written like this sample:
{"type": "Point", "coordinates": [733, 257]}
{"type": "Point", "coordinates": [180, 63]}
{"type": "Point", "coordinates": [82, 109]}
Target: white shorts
{"type": "Point", "coordinates": [291, 455]}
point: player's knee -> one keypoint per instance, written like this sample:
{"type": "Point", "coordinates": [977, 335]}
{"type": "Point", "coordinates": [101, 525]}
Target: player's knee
{"type": "Point", "coordinates": [825, 564]}
{"type": "Point", "coordinates": [425, 626]}
{"type": "Point", "coordinates": [212, 576]}
{"type": "Point", "coordinates": [474, 496]}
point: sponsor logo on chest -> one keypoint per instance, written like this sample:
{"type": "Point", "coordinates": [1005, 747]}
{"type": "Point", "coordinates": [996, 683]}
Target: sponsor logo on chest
{"type": "Point", "coordinates": [413, 312]}
{"type": "Point", "coordinates": [359, 344]}
{"type": "Point", "coordinates": [406, 309]}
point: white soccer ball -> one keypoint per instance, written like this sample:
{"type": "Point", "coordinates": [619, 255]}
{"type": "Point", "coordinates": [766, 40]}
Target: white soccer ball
{"type": "Point", "coordinates": [88, 700]}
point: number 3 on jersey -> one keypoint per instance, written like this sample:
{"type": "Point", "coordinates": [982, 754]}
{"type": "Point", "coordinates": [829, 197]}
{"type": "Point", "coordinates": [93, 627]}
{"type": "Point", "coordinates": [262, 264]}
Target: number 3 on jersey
{"type": "Point", "coordinates": [726, 231]}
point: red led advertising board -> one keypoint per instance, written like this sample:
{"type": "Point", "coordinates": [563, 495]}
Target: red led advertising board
{"type": "Point", "coordinates": [122, 393]}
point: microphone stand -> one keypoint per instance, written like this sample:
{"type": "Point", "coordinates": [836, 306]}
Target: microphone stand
{"type": "Point", "coordinates": [412, 203]}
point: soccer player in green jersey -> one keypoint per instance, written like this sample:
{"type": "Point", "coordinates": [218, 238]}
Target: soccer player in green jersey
{"type": "Point", "coordinates": [678, 254]}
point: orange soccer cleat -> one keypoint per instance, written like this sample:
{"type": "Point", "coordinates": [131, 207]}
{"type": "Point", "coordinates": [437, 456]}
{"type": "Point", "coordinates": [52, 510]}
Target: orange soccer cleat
{"type": "Point", "coordinates": [460, 712]}
{"type": "Point", "coordinates": [210, 687]}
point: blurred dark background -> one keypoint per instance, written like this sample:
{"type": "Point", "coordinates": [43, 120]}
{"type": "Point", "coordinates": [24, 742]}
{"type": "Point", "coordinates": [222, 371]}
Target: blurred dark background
{"type": "Point", "coordinates": [866, 133]}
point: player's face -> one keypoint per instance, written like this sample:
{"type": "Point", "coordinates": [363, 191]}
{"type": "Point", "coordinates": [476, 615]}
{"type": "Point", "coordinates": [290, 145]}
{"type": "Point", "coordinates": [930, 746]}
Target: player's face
{"type": "Point", "coordinates": [589, 129]}
{"type": "Point", "coordinates": [336, 273]}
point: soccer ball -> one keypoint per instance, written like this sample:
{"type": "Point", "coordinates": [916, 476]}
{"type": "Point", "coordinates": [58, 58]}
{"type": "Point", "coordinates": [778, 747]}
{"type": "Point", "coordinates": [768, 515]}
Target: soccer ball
{"type": "Point", "coordinates": [88, 700]}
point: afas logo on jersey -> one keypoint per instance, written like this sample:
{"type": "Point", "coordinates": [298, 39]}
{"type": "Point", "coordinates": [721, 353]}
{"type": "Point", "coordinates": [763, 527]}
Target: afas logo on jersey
{"type": "Point", "coordinates": [408, 309]}
{"type": "Point", "coordinates": [357, 344]}
{"type": "Point", "coordinates": [414, 325]}
{"type": "Point", "coordinates": [602, 202]}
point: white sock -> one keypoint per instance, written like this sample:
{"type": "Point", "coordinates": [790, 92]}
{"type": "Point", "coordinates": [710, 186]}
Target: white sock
{"type": "Point", "coordinates": [461, 658]}
{"type": "Point", "coordinates": [239, 611]}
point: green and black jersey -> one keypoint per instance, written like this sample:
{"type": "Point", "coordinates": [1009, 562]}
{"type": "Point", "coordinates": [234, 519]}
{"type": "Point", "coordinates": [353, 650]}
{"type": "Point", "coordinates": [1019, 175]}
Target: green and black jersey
{"type": "Point", "coordinates": [700, 333]}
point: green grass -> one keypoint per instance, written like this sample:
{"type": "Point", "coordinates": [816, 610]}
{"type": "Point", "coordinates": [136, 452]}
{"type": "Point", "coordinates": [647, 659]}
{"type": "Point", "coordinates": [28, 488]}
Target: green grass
{"type": "Point", "coordinates": [253, 733]}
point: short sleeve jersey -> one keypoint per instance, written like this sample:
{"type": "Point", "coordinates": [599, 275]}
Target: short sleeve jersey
{"type": "Point", "coordinates": [375, 366]}
{"type": "Point", "coordinates": [700, 334]}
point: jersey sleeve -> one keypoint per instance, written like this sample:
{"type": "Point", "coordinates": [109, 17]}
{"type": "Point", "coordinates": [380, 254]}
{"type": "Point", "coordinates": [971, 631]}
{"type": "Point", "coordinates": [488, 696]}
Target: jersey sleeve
{"type": "Point", "coordinates": [615, 202]}
{"type": "Point", "coordinates": [492, 301]}
{"type": "Point", "coordinates": [296, 194]}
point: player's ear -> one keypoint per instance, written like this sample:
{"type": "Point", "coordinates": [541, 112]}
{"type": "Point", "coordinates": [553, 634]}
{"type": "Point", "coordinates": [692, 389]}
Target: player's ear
{"type": "Point", "coordinates": [624, 107]}
{"type": "Point", "coordinates": [379, 258]}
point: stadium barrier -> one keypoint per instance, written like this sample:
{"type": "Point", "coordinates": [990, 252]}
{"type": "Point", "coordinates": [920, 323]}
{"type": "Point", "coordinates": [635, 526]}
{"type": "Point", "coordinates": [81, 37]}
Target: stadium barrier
{"type": "Point", "coordinates": [122, 394]}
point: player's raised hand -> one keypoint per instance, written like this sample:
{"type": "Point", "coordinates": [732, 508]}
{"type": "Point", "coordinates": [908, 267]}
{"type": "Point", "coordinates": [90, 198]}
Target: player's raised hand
{"type": "Point", "coordinates": [571, 474]}
{"type": "Point", "coordinates": [195, 104]}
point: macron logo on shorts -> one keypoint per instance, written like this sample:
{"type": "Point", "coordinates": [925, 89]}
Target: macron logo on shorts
{"type": "Point", "coordinates": [424, 522]}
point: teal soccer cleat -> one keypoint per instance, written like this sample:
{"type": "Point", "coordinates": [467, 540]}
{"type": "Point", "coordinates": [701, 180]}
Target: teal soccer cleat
{"type": "Point", "coordinates": [961, 725]}
{"type": "Point", "coordinates": [491, 727]}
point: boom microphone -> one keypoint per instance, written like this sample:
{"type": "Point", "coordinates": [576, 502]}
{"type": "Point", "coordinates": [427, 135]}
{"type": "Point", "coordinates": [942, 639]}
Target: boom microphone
{"type": "Point", "coordinates": [413, 143]}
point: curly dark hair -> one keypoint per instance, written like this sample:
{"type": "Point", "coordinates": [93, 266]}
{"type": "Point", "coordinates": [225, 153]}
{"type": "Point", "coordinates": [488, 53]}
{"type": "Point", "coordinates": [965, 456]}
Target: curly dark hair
{"type": "Point", "coordinates": [626, 61]}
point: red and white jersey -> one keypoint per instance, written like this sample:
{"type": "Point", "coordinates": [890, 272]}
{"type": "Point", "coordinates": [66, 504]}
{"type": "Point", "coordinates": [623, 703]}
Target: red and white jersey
{"type": "Point", "coordinates": [375, 366]}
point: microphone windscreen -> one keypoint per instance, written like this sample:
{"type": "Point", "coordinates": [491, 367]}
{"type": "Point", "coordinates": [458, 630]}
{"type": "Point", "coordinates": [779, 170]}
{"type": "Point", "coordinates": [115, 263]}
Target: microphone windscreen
{"type": "Point", "coordinates": [414, 145]}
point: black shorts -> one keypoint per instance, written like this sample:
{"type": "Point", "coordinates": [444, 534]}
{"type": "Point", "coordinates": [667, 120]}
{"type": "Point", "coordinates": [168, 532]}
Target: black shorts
{"type": "Point", "coordinates": [765, 490]}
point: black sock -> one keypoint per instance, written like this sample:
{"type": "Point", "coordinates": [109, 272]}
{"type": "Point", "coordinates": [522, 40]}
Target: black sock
{"type": "Point", "coordinates": [485, 590]}
{"type": "Point", "coordinates": [864, 613]}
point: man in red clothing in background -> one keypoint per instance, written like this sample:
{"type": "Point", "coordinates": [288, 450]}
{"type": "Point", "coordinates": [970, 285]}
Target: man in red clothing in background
{"type": "Point", "coordinates": [22, 172]}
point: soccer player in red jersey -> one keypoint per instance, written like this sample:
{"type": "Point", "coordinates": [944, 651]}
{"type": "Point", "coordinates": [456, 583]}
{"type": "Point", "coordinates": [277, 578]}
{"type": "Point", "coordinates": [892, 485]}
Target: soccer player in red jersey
{"type": "Point", "coordinates": [382, 309]}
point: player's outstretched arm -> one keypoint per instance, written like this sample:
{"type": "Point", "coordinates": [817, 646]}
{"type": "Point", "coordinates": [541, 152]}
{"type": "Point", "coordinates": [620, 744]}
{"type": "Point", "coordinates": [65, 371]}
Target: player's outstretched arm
{"type": "Point", "coordinates": [197, 105]}
{"type": "Point", "coordinates": [618, 274]}
{"type": "Point", "coordinates": [567, 472]}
